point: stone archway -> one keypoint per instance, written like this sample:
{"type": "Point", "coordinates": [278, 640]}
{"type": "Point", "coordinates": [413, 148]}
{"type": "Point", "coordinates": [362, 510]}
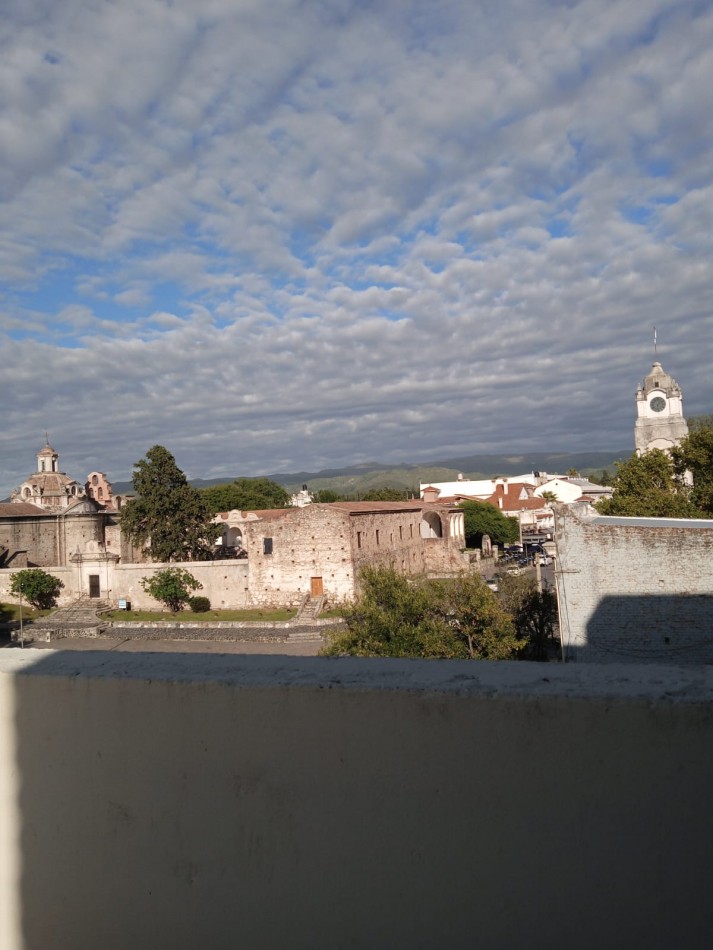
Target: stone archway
{"type": "Point", "coordinates": [431, 525]}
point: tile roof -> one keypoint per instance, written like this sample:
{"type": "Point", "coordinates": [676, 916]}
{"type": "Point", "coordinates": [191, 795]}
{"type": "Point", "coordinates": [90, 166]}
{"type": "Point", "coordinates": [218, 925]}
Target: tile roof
{"type": "Point", "coordinates": [21, 509]}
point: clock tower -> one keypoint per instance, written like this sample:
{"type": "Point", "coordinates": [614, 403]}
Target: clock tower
{"type": "Point", "coordinates": [659, 412]}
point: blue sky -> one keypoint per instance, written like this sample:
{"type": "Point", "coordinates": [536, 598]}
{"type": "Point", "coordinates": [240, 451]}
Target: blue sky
{"type": "Point", "coordinates": [294, 234]}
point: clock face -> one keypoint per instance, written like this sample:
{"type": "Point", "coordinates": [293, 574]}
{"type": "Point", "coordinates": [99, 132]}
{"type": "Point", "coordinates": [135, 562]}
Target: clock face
{"type": "Point", "coordinates": [658, 404]}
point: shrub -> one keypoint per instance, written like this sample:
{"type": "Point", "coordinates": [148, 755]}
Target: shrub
{"type": "Point", "coordinates": [171, 587]}
{"type": "Point", "coordinates": [199, 605]}
{"type": "Point", "coordinates": [37, 587]}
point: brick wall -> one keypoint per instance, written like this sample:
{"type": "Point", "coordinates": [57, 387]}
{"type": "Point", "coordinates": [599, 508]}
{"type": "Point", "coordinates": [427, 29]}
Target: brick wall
{"type": "Point", "coordinates": [634, 590]}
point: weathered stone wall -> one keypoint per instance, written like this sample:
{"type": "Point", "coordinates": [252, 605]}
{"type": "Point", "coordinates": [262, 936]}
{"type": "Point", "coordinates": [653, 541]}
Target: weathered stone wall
{"type": "Point", "coordinates": [225, 583]}
{"type": "Point", "coordinates": [50, 539]}
{"type": "Point", "coordinates": [309, 542]}
{"type": "Point", "coordinates": [634, 590]}
{"type": "Point", "coordinates": [395, 539]}
{"type": "Point", "coordinates": [66, 574]}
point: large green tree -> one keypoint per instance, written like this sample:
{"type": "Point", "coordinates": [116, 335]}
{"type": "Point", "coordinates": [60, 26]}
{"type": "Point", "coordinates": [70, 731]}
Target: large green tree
{"type": "Point", "coordinates": [480, 517]}
{"type": "Point", "coordinates": [646, 486]}
{"type": "Point", "coordinates": [246, 494]}
{"type": "Point", "coordinates": [168, 518]}
{"type": "Point", "coordinates": [695, 455]}
{"type": "Point", "coordinates": [401, 617]}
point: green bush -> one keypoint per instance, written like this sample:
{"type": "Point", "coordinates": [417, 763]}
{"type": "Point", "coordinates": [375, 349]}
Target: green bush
{"type": "Point", "coordinates": [199, 605]}
{"type": "Point", "coordinates": [171, 586]}
{"type": "Point", "coordinates": [37, 587]}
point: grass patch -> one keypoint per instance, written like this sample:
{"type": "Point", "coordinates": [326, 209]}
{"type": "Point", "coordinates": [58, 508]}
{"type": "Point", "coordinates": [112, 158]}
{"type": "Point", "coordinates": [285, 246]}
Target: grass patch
{"type": "Point", "coordinates": [333, 613]}
{"type": "Point", "coordinates": [11, 612]}
{"type": "Point", "coordinates": [187, 616]}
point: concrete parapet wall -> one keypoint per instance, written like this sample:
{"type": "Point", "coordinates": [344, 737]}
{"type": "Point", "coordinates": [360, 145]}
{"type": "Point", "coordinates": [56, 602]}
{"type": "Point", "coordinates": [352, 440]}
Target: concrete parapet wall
{"type": "Point", "coordinates": [221, 801]}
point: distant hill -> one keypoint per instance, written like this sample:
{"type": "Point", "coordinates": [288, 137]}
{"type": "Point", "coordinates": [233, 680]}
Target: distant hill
{"type": "Point", "coordinates": [357, 479]}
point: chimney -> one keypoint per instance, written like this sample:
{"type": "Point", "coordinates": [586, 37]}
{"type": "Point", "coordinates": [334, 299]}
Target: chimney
{"type": "Point", "coordinates": [460, 476]}
{"type": "Point", "coordinates": [430, 494]}
{"type": "Point", "coordinates": [505, 486]}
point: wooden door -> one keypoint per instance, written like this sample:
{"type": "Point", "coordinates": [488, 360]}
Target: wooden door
{"type": "Point", "coordinates": [316, 588]}
{"type": "Point", "coordinates": [94, 589]}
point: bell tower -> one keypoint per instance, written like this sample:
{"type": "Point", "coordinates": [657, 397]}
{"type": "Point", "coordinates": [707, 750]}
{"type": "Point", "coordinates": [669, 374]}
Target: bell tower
{"type": "Point", "coordinates": [659, 412]}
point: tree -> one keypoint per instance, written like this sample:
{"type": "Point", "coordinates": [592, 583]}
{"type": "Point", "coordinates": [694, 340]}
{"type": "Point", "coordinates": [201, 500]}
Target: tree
{"type": "Point", "coordinates": [646, 486]}
{"type": "Point", "coordinates": [695, 455]}
{"type": "Point", "coordinates": [533, 612]}
{"type": "Point", "coordinates": [387, 494]}
{"type": "Point", "coordinates": [480, 517]}
{"type": "Point", "coordinates": [401, 617]}
{"type": "Point", "coordinates": [169, 517]}
{"type": "Point", "coordinates": [39, 588]}
{"type": "Point", "coordinates": [171, 587]}
{"type": "Point", "coordinates": [325, 496]}
{"type": "Point", "coordinates": [549, 497]}
{"type": "Point", "coordinates": [246, 494]}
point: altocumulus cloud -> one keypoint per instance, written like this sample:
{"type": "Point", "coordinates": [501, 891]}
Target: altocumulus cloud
{"type": "Point", "coordinates": [296, 234]}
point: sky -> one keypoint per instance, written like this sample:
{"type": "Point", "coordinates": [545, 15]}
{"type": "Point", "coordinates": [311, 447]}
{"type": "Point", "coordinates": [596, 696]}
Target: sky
{"type": "Point", "coordinates": [283, 235]}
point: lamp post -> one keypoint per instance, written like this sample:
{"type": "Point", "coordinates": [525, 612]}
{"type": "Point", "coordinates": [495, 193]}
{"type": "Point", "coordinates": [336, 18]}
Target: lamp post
{"type": "Point", "coordinates": [22, 632]}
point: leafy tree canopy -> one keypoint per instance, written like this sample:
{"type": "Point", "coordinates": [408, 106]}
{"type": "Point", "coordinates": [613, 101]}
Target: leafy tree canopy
{"type": "Point", "coordinates": [246, 494]}
{"type": "Point", "coordinates": [169, 518]}
{"type": "Point", "coordinates": [534, 614]}
{"type": "Point", "coordinates": [480, 517]}
{"type": "Point", "coordinates": [646, 486]}
{"type": "Point", "coordinates": [37, 587]}
{"type": "Point", "coordinates": [695, 455]}
{"type": "Point", "coordinates": [387, 494]}
{"type": "Point", "coordinates": [172, 587]}
{"type": "Point", "coordinates": [401, 617]}
{"type": "Point", "coordinates": [325, 496]}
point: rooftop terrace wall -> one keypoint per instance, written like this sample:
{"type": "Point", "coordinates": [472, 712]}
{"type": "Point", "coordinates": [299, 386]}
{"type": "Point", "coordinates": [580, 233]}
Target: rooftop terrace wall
{"type": "Point", "coordinates": [186, 801]}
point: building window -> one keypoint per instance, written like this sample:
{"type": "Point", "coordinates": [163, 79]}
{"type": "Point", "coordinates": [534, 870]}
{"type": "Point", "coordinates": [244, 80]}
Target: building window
{"type": "Point", "coordinates": [267, 545]}
{"type": "Point", "coordinates": [377, 537]}
{"type": "Point", "coordinates": [358, 539]}
{"type": "Point", "coordinates": [401, 532]}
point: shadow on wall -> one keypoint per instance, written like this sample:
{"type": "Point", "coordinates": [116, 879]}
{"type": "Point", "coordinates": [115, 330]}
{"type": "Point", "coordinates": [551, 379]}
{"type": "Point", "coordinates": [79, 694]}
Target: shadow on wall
{"type": "Point", "coordinates": [648, 628]}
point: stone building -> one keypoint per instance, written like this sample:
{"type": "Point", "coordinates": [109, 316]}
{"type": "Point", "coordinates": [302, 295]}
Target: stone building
{"type": "Point", "coordinates": [659, 412]}
{"type": "Point", "coordinates": [320, 548]}
{"type": "Point", "coordinates": [635, 590]}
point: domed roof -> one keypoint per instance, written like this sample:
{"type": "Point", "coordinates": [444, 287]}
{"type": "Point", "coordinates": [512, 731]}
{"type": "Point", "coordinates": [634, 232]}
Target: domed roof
{"type": "Point", "coordinates": [47, 450]}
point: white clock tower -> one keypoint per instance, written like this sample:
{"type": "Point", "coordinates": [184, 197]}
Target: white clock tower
{"type": "Point", "coordinates": [659, 412]}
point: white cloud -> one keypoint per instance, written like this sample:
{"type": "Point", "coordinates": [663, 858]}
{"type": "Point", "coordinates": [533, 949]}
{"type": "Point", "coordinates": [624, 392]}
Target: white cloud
{"type": "Point", "coordinates": [296, 234]}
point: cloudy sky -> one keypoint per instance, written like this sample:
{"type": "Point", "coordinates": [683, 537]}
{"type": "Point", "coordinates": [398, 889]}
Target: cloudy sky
{"type": "Point", "coordinates": [275, 235]}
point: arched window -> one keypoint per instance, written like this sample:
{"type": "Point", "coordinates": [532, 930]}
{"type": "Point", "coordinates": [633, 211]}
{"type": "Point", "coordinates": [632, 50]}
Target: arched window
{"type": "Point", "coordinates": [431, 526]}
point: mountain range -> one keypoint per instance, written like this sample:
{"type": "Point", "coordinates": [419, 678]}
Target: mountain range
{"type": "Point", "coordinates": [357, 479]}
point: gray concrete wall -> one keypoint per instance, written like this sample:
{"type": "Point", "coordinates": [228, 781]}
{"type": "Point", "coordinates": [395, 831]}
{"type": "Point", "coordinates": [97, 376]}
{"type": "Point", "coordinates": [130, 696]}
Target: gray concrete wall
{"type": "Point", "coordinates": [181, 801]}
{"type": "Point", "coordinates": [633, 589]}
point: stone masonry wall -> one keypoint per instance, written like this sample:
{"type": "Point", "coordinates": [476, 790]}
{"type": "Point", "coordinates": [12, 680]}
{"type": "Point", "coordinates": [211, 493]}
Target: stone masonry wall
{"type": "Point", "coordinates": [306, 542]}
{"type": "Point", "coordinates": [631, 590]}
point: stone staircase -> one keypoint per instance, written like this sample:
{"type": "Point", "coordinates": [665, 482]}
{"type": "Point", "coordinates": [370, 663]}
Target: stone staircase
{"type": "Point", "coordinates": [305, 627]}
{"type": "Point", "coordinates": [309, 611]}
{"type": "Point", "coordinates": [79, 619]}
